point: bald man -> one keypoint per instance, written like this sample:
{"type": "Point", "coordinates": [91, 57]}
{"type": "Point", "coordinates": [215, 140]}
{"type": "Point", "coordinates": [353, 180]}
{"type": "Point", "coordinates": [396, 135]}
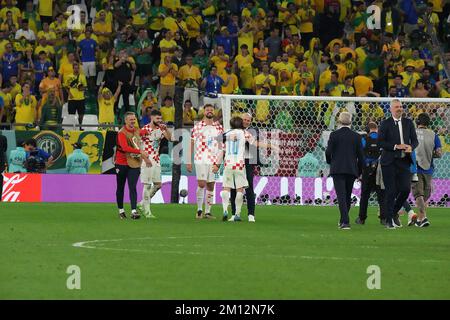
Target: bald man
{"type": "Point", "coordinates": [397, 137]}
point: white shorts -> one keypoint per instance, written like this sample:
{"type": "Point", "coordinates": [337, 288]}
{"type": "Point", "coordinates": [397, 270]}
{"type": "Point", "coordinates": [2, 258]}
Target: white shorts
{"type": "Point", "coordinates": [89, 69]}
{"type": "Point", "coordinates": [234, 179]}
{"type": "Point", "coordinates": [151, 174]}
{"type": "Point", "coordinates": [205, 172]}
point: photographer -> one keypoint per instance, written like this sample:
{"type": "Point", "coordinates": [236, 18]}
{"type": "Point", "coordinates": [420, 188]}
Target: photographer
{"type": "Point", "coordinates": [37, 159]}
{"type": "Point", "coordinates": [368, 182]}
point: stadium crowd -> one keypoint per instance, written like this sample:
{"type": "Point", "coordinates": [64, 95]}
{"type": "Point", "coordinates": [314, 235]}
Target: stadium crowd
{"type": "Point", "coordinates": [142, 55]}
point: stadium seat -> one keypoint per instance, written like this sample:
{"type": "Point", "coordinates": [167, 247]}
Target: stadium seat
{"type": "Point", "coordinates": [70, 122]}
{"type": "Point", "coordinates": [90, 119]}
{"type": "Point", "coordinates": [166, 164]}
{"type": "Point", "coordinates": [65, 110]}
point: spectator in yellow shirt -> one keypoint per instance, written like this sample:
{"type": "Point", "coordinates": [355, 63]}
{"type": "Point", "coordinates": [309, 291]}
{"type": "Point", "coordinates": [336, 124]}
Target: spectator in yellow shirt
{"type": "Point", "coordinates": [233, 82]}
{"type": "Point", "coordinates": [167, 45]}
{"type": "Point", "coordinates": [168, 72]}
{"type": "Point", "coordinates": [44, 46]}
{"type": "Point", "coordinates": [265, 80]}
{"type": "Point", "coordinates": [189, 114]}
{"type": "Point", "coordinates": [102, 29]}
{"type": "Point", "coordinates": [306, 14]}
{"type": "Point", "coordinates": [334, 87]}
{"type": "Point", "coordinates": [45, 10]}
{"type": "Point", "coordinates": [245, 35]}
{"type": "Point", "coordinates": [76, 84]}
{"type": "Point", "coordinates": [140, 11]}
{"type": "Point", "coordinates": [244, 63]}
{"type": "Point", "coordinates": [362, 84]}
{"type": "Point", "coordinates": [168, 111]}
{"type": "Point", "coordinates": [26, 105]}
{"type": "Point", "coordinates": [194, 22]}
{"type": "Point", "coordinates": [190, 77]}
{"type": "Point", "coordinates": [410, 76]}
{"type": "Point", "coordinates": [48, 34]}
{"type": "Point", "coordinates": [219, 59]}
{"type": "Point", "coordinates": [416, 61]}
{"type": "Point", "coordinates": [59, 27]}
{"type": "Point", "coordinates": [106, 103]}
{"type": "Point", "coordinates": [16, 14]}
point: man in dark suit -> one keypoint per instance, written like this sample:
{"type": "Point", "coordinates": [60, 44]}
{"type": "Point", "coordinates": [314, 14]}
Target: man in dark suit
{"type": "Point", "coordinates": [3, 147]}
{"type": "Point", "coordinates": [345, 156]}
{"type": "Point", "coordinates": [397, 137]}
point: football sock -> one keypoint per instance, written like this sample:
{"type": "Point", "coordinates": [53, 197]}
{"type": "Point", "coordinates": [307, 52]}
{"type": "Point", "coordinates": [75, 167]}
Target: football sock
{"type": "Point", "coordinates": [200, 197]}
{"type": "Point", "coordinates": [209, 201]}
{"type": "Point", "coordinates": [239, 201]}
{"type": "Point", "coordinates": [154, 189]}
{"type": "Point", "coordinates": [225, 199]}
{"type": "Point", "coordinates": [146, 198]}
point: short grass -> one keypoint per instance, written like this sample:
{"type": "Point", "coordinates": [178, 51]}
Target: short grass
{"type": "Point", "coordinates": [291, 252]}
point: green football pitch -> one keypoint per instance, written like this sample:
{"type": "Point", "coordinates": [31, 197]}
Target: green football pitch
{"type": "Point", "coordinates": [291, 252]}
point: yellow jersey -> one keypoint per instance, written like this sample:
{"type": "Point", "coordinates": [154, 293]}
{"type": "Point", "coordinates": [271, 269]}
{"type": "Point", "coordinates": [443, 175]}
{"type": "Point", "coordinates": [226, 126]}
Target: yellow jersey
{"type": "Point", "coordinates": [106, 110]}
{"type": "Point", "coordinates": [25, 110]}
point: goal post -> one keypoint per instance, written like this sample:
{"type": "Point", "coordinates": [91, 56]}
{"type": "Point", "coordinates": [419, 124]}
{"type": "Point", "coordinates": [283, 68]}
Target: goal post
{"type": "Point", "coordinates": [301, 125]}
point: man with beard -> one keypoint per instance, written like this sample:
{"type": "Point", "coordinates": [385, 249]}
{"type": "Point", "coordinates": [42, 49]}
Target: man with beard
{"type": "Point", "coordinates": [151, 136]}
{"type": "Point", "coordinates": [204, 139]}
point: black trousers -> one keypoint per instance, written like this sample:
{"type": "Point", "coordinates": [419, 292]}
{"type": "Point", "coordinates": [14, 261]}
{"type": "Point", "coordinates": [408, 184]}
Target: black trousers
{"type": "Point", "coordinates": [249, 192]}
{"type": "Point", "coordinates": [343, 184]}
{"type": "Point", "coordinates": [397, 184]}
{"type": "Point", "coordinates": [369, 185]}
{"type": "Point", "coordinates": [124, 174]}
{"type": "Point", "coordinates": [125, 92]}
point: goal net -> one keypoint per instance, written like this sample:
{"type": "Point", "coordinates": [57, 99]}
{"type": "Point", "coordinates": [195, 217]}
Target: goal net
{"type": "Point", "coordinates": [300, 126]}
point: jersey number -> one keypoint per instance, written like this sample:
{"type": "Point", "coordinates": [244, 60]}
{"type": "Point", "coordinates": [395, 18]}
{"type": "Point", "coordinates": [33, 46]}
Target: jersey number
{"type": "Point", "coordinates": [233, 147]}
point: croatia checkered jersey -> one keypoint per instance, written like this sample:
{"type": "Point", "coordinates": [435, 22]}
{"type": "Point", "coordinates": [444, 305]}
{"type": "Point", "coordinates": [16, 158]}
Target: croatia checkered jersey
{"type": "Point", "coordinates": [235, 148]}
{"type": "Point", "coordinates": [151, 139]}
{"type": "Point", "coordinates": [206, 142]}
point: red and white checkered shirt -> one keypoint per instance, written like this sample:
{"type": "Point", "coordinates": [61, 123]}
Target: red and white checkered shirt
{"type": "Point", "coordinates": [151, 139]}
{"type": "Point", "coordinates": [235, 148]}
{"type": "Point", "coordinates": [206, 142]}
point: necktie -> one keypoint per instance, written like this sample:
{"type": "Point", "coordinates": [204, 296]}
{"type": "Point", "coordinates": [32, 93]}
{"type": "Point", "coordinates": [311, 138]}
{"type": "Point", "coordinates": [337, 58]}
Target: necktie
{"type": "Point", "coordinates": [397, 123]}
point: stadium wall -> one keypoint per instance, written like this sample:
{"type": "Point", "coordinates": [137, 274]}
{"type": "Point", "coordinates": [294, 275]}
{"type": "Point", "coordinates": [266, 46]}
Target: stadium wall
{"type": "Point", "coordinates": [101, 188]}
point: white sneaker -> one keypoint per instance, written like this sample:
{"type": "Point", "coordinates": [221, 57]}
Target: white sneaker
{"type": "Point", "coordinates": [251, 218]}
{"type": "Point", "coordinates": [232, 218]}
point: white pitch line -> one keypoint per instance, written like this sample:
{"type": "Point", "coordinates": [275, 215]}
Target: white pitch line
{"type": "Point", "coordinates": [82, 244]}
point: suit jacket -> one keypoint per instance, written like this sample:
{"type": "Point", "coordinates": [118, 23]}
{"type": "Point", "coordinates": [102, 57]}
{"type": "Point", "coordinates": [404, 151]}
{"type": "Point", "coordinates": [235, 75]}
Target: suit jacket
{"type": "Point", "coordinates": [344, 152]}
{"type": "Point", "coordinates": [254, 131]}
{"type": "Point", "coordinates": [389, 135]}
{"type": "Point", "coordinates": [3, 147]}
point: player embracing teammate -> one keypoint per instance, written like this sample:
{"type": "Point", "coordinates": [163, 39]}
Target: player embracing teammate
{"type": "Point", "coordinates": [205, 138]}
{"type": "Point", "coordinates": [234, 174]}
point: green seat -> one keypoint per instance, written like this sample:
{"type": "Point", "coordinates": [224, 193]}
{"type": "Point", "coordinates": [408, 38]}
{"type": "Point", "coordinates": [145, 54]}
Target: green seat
{"type": "Point", "coordinates": [166, 164]}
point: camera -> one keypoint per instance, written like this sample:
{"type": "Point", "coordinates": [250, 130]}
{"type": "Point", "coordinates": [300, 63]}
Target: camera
{"type": "Point", "coordinates": [35, 163]}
